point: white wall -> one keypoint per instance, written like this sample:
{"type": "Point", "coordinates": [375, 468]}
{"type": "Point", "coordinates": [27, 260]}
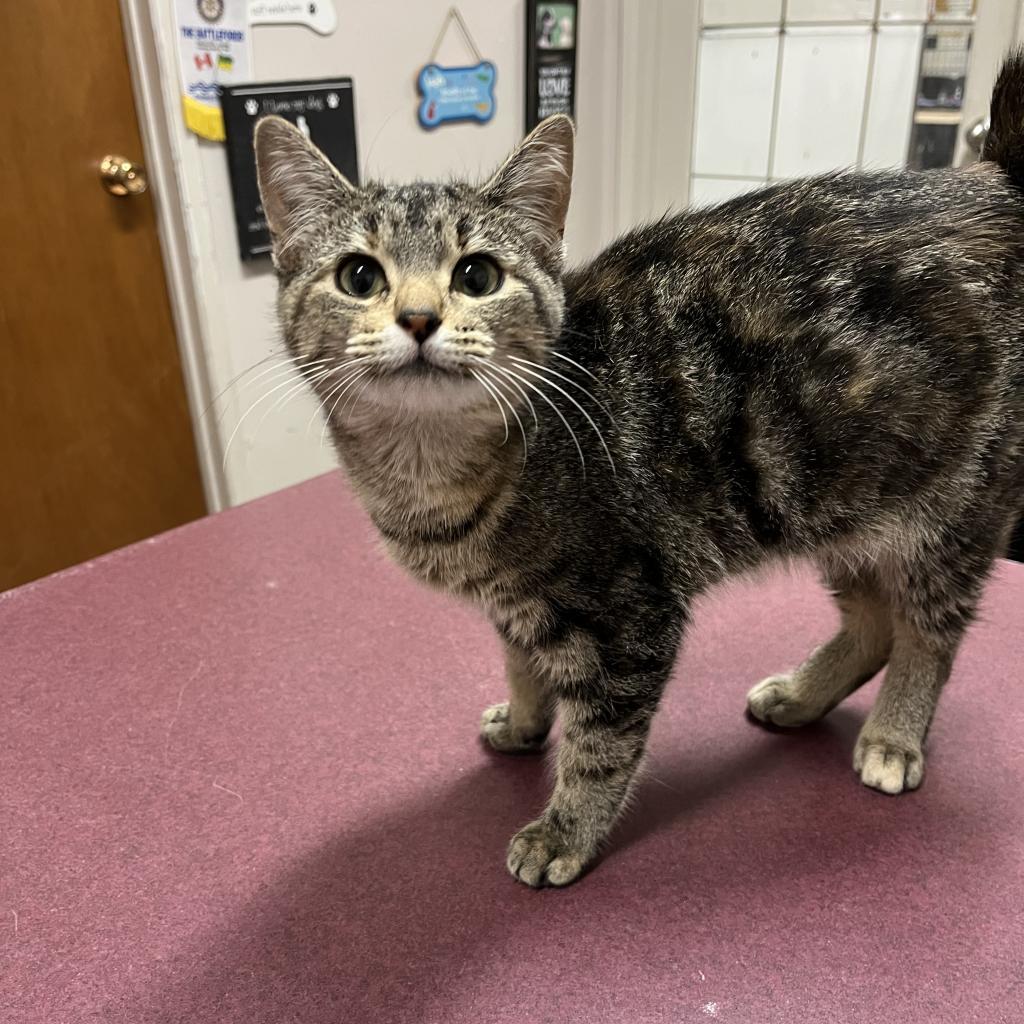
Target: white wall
{"type": "Point", "coordinates": [636, 94]}
{"type": "Point", "coordinates": [233, 302]}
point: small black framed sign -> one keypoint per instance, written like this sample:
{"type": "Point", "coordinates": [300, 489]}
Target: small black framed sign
{"type": "Point", "coordinates": [323, 109]}
{"type": "Point", "coordinates": [551, 34]}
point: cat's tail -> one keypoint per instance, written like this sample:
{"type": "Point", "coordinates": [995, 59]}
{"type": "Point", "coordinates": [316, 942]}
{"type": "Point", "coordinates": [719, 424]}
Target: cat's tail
{"type": "Point", "coordinates": [1004, 143]}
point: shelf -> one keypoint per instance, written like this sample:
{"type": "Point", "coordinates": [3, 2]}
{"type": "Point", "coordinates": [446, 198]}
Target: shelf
{"type": "Point", "coordinates": [937, 116]}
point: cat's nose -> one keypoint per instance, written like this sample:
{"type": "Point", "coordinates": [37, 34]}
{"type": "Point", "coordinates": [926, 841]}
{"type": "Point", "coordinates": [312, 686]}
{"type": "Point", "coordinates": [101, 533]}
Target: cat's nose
{"type": "Point", "coordinates": [420, 323]}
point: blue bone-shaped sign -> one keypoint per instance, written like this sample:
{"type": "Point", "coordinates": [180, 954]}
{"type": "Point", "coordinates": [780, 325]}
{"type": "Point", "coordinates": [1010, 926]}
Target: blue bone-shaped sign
{"type": "Point", "coordinates": [456, 94]}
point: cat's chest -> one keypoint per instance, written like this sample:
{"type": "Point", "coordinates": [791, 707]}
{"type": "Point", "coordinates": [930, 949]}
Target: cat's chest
{"type": "Point", "coordinates": [479, 570]}
{"type": "Point", "coordinates": [460, 567]}
{"type": "Point", "coordinates": [449, 527]}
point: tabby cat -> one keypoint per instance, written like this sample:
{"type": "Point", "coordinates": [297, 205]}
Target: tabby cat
{"type": "Point", "coordinates": [830, 368]}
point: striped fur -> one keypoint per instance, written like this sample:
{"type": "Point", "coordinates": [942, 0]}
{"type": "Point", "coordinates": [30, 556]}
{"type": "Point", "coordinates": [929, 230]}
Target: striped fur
{"type": "Point", "coordinates": [830, 369]}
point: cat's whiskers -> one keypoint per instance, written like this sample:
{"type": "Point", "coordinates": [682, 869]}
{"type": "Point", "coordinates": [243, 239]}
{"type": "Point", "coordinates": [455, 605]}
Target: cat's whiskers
{"type": "Point", "coordinates": [547, 369]}
{"type": "Point", "coordinates": [586, 415]}
{"type": "Point", "coordinates": [471, 342]}
{"type": "Point", "coordinates": [477, 350]}
{"type": "Point", "coordinates": [282, 360]}
{"type": "Point", "coordinates": [363, 343]}
{"type": "Point", "coordinates": [352, 380]}
{"type": "Point", "coordinates": [288, 382]}
{"type": "Point", "coordinates": [509, 383]}
{"type": "Point", "coordinates": [498, 383]}
{"type": "Point", "coordinates": [283, 400]}
{"type": "Point", "coordinates": [345, 375]}
{"type": "Point", "coordinates": [579, 366]}
{"type": "Point", "coordinates": [281, 369]}
{"type": "Point", "coordinates": [505, 371]}
{"type": "Point", "coordinates": [494, 398]}
{"type": "Point", "coordinates": [354, 398]}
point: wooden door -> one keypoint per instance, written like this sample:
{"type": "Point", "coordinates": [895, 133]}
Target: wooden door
{"type": "Point", "coordinates": [96, 446]}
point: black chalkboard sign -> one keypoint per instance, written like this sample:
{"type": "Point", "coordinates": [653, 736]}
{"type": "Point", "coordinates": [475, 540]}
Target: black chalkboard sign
{"type": "Point", "coordinates": [551, 33]}
{"type": "Point", "coordinates": [323, 109]}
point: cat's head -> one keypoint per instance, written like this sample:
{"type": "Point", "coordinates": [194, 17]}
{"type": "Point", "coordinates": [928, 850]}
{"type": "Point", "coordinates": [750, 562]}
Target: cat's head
{"type": "Point", "coordinates": [416, 296]}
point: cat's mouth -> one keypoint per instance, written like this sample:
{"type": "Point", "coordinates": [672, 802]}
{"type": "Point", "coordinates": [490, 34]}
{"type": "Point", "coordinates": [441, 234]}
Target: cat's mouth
{"type": "Point", "coordinates": [421, 367]}
{"type": "Point", "coordinates": [428, 362]}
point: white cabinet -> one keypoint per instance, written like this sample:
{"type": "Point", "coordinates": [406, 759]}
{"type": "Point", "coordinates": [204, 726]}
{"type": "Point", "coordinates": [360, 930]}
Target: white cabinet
{"type": "Point", "coordinates": [741, 12]}
{"type": "Point", "coordinates": [821, 99]}
{"type": "Point", "coordinates": [893, 87]}
{"type": "Point", "coordinates": [709, 191]}
{"type": "Point", "coordinates": [903, 10]}
{"type": "Point", "coordinates": [830, 10]}
{"type": "Point", "coordinates": [735, 94]}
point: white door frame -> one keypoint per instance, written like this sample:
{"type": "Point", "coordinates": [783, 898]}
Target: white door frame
{"type": "Point", "coordinates": [172, 225]}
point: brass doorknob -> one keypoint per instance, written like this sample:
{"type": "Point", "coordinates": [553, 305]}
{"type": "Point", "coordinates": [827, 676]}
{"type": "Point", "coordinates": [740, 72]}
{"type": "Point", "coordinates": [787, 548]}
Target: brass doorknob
{"type": "Point", "coordinates": [121, 177]}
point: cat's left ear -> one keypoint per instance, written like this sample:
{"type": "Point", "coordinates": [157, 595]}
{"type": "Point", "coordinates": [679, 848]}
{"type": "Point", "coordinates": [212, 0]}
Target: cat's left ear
{"type": "Point", "coordinates": [536, 180]}
{"type": "Point", "coordinates": [298, 186]}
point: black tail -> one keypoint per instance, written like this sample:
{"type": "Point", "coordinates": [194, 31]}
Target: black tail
{"type": "Point", "coordinates": [1004, 144]}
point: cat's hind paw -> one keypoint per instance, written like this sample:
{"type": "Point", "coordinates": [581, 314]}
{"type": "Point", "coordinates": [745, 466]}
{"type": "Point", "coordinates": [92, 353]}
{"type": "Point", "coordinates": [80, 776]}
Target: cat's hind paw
{"type": "Point", "coordinates": [497, 731]}
{"type": "Point", "coordinates": [538, 857]}
{"type": "Point", "coordinates": [886, 767]}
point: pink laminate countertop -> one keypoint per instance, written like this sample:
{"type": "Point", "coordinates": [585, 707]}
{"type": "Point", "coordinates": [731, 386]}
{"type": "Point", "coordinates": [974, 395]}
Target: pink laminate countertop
{"type": "Point", "coordinates": [240, 782]}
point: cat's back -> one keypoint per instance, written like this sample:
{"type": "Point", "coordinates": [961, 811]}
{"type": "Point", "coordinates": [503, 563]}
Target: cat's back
{"type": "Point", "coordinates": [907, 271]}
{"type": "Point", "coordinates": [850, 340]}
{"type": "Point", "coordinates": [864, 243]}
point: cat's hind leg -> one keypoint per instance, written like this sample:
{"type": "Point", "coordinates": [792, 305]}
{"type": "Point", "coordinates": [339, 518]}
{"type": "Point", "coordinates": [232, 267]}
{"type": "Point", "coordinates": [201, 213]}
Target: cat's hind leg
{"type": "Point", "coordinates": [934, 600]}
{"type": "Point", "coordinates": [521, 724]}
{"type": "Point", "coordinates": [837, 668]}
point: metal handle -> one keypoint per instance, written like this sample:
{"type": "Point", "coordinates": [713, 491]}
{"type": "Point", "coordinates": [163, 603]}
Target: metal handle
{"type": "Point", "coordinates": [121, 177]}
{"type": "Point", "coordinates": [976, 133]}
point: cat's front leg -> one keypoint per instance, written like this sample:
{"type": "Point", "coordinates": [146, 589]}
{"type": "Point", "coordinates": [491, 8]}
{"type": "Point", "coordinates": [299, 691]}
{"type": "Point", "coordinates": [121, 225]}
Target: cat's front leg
{"type": "Point", "coordinates": [521, 724]}
{"type": "Point", "coordinates": [606, 712]}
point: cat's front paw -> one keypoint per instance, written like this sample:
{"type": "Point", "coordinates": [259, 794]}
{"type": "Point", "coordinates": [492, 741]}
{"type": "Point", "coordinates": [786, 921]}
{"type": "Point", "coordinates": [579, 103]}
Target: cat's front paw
{"type": "Point", "coordinates": [887, 767]}
{"type": "Point", "coordinates": [539, 856]}
{"type": "Point", "coordinates": [497, 731]}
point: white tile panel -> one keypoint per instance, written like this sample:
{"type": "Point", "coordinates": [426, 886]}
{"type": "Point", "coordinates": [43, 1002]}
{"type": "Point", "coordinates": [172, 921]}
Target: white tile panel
{"type": "Point", "coordinates": [903, 10]}
{"type": "Point", "coordinates": [735, 94]}
{"type": "Point", "coordinates": [709, 191]}
{"type": "Point", "coordinates": [893, 88]}
{"type": "Point", "coordinates": [830, 10]}
{"type": "Point", "coordinates": [821, 99]}
{"type": "Point", "coordinates": [741, 12]}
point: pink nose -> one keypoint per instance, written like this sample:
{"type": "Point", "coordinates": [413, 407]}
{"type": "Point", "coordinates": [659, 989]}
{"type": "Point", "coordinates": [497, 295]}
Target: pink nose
{"type": "Point", "coordinates": [420, 323]}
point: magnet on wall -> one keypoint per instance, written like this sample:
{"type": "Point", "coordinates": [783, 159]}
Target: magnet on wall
{"type": "Point", "coordinates": [457, 93]}
{"type": "Point", "coordinates": [319, 15]}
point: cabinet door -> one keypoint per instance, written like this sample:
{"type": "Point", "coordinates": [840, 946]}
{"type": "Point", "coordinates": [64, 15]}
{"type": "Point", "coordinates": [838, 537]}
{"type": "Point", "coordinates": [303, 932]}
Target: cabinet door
{"type": "Point", "coordinates": [829, 10]}
{"type": "Point", "coordinates": [893, 87]}
{"type": "Point", "coordinates": [821, 99]}
{"type": "Point", "coordinates": [735, 90]}
{"type": "Point", "coordinates": [741, 12]}
{"type": "Point", "coordinates": [709, 191]}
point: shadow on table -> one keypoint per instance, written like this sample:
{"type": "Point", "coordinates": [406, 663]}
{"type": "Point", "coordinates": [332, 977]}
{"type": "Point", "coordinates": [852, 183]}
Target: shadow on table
{"type": "Point", "coordinates": [388, 920]}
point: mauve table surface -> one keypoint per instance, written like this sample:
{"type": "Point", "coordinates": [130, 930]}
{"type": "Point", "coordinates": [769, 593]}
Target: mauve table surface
{"type": "Point", "coordinates": [241, 783]}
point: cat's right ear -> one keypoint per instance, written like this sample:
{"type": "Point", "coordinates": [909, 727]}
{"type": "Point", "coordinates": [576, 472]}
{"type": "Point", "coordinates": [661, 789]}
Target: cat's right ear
{"type": "Point", "coordinates": [298, 186]}
{"type": "Point", "coordinates": [536, 180]}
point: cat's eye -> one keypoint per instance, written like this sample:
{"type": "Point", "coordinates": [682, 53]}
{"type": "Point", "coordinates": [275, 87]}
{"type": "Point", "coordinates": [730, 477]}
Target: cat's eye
{"type": "Point", "coordinates": [362, 277]}
{"type": "Point", "coordinates": [476, 276]}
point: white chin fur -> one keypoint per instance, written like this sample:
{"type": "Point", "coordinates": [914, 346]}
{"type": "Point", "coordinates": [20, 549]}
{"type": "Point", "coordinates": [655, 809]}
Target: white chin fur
{"type": "Point", "coordinates": [432, 394]}
{"type": "Point", "coordinates": [446, 390]}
